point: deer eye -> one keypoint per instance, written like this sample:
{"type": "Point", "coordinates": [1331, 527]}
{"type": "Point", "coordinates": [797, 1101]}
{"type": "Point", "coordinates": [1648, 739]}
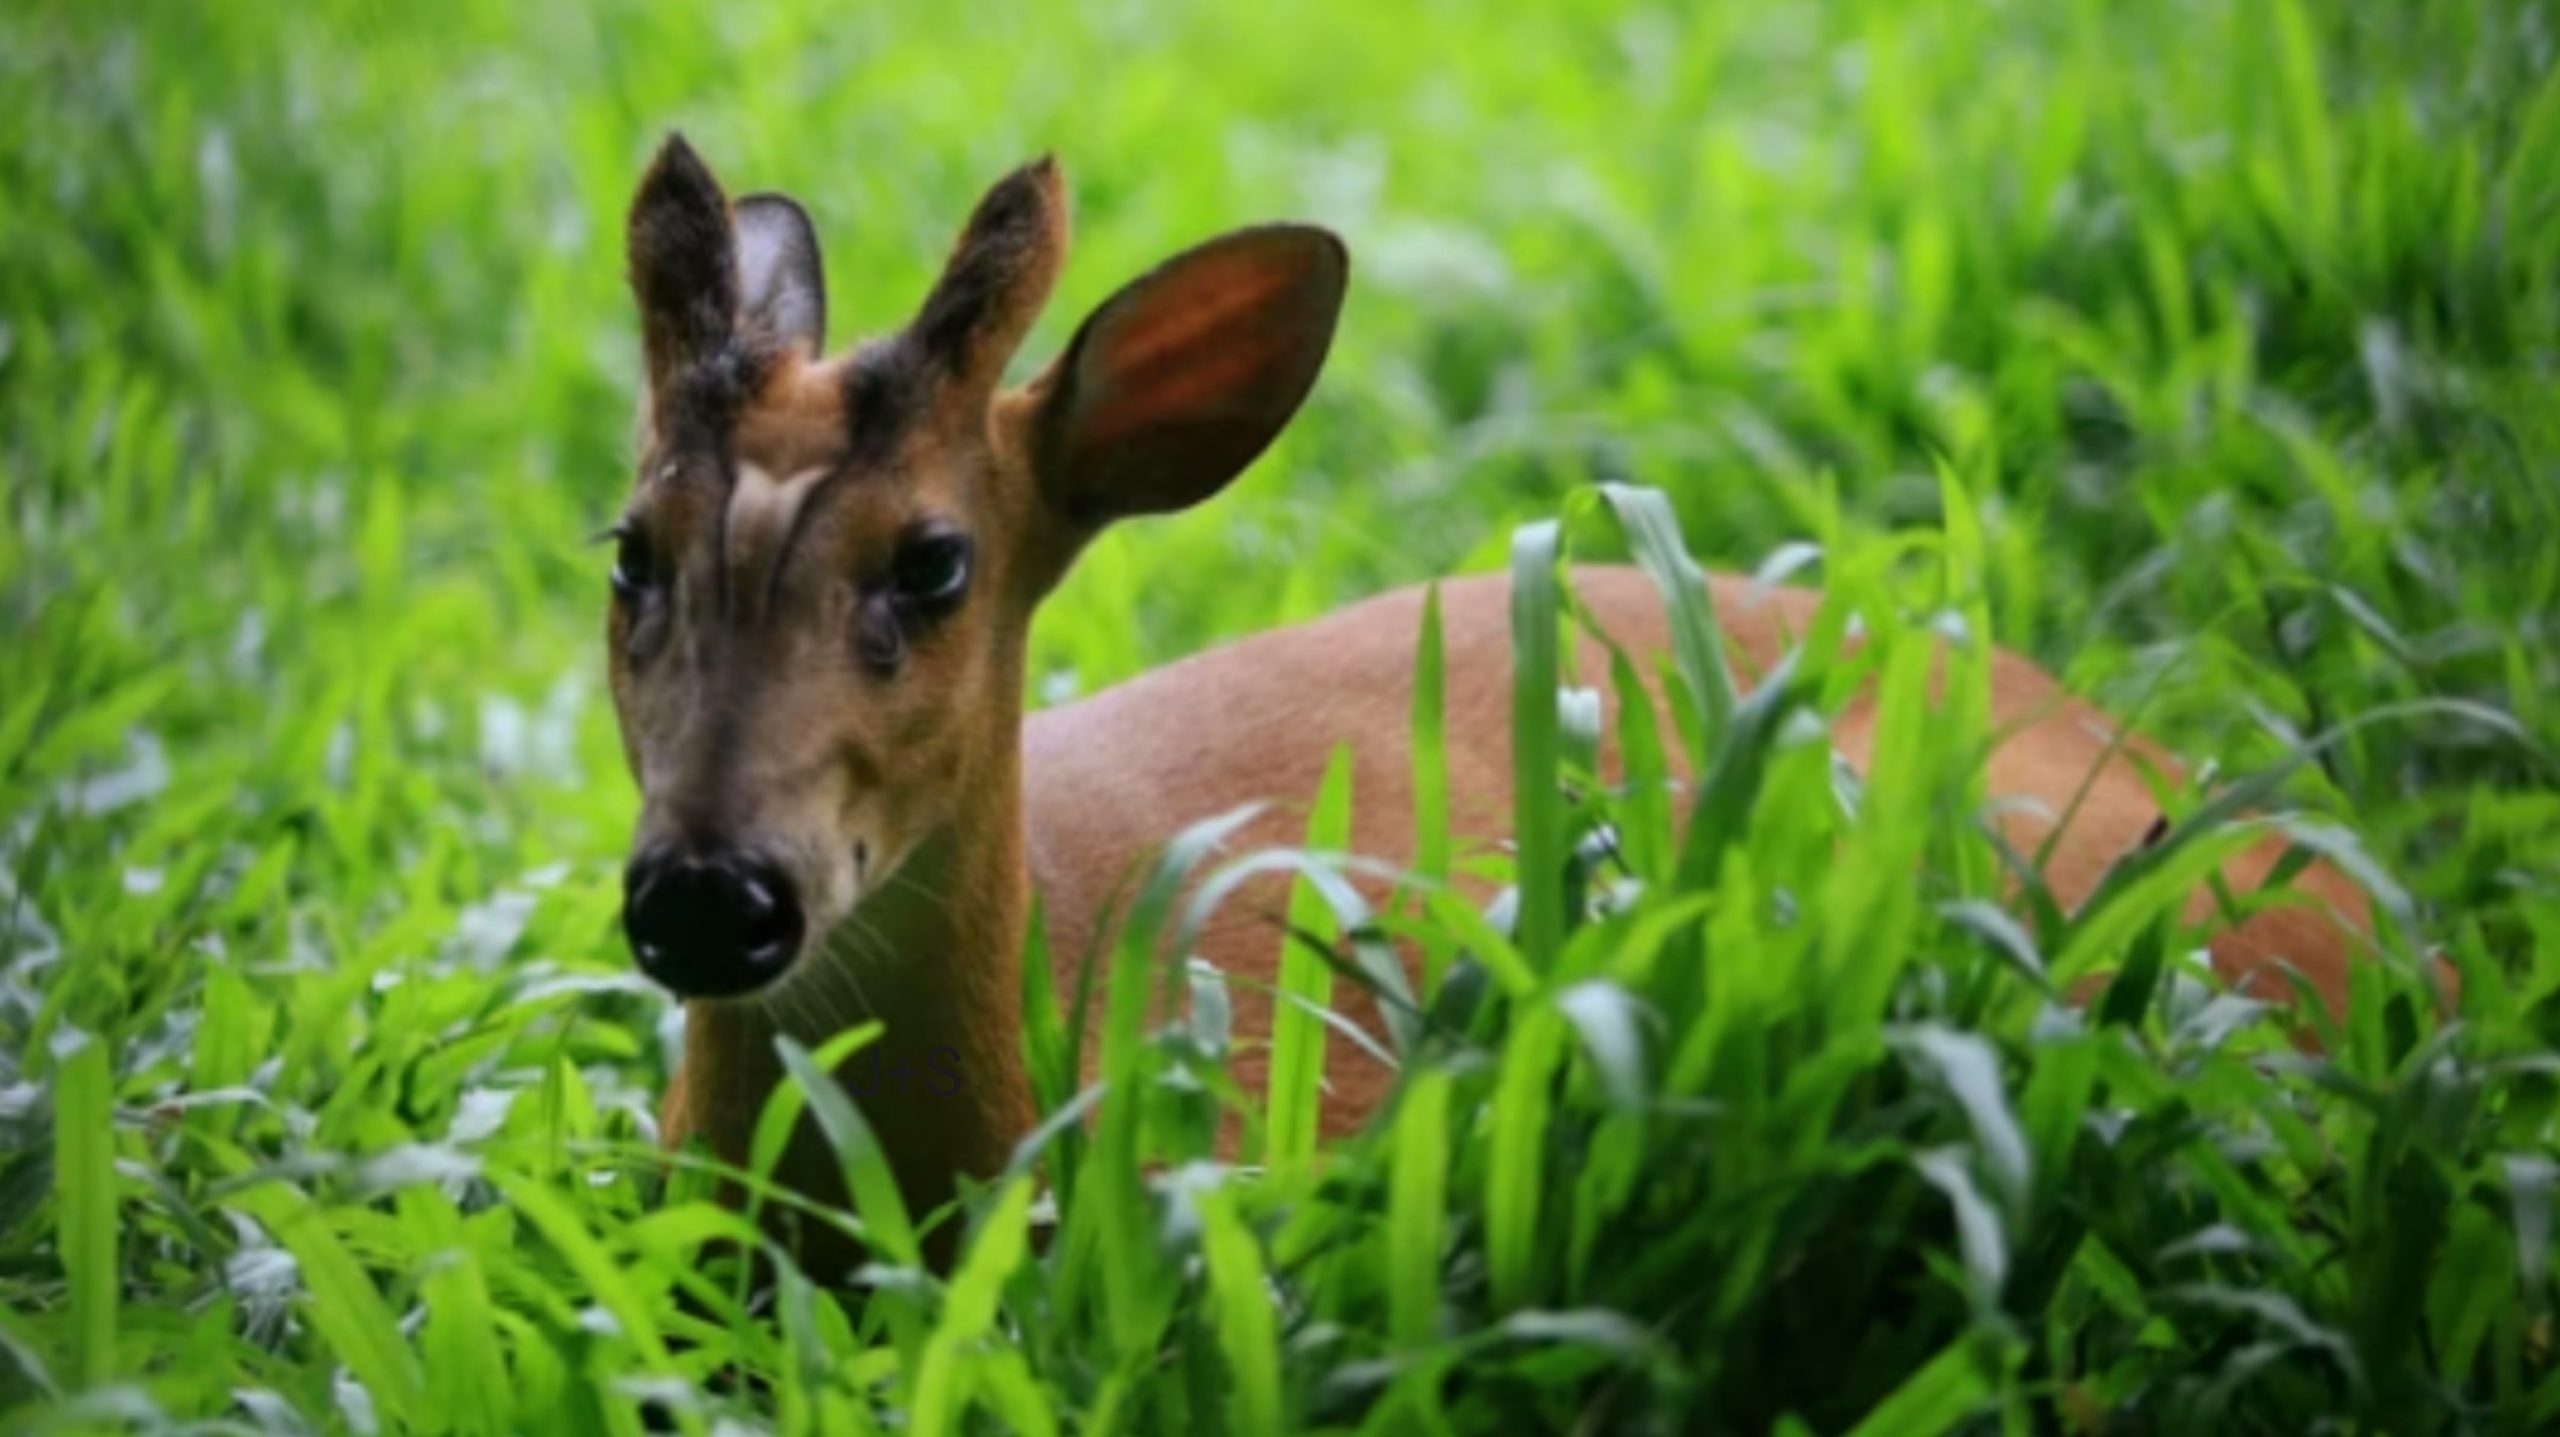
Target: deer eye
{"type": "Point", "coordinates": [635, 564]}
{"type": "Point", "coordinates": [931, 571]}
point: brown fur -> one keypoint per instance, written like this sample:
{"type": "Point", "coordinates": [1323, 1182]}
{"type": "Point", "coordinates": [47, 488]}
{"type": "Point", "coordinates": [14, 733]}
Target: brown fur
{"type": "Point", "coordinates": [748, 722]}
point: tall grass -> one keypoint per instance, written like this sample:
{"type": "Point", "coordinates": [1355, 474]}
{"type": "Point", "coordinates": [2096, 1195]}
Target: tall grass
{"type": "Point", "coordinates": [2205, 351]}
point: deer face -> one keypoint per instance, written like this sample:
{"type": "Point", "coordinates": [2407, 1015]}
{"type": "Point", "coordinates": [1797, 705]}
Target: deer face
{"type": "Point", "coordinates": [826, 570]}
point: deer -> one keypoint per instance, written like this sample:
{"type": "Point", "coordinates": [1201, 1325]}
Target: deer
{"type": "Point", "coordinates": [823, 582]}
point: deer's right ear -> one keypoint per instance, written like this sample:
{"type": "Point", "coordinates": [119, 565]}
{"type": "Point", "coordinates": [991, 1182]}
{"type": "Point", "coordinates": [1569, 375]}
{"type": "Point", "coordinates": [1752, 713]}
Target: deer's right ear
{"type": "Point", "coordinates": [684, 263]}
{"type": "Point", "coordinates": [1178, 381]}
{"type": "Point", "coordinates": [782, 291]}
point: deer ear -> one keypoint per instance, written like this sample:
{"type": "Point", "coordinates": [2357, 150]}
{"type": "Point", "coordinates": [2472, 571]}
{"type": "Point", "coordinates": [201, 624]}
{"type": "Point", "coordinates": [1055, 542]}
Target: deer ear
{"type": "Point", "coordinates": [1178, 381]}
{"type": "Point", "coordinates": [782, 290]}
{"type": "Point", "coordinates": [684, 265]}
{"type": "Point", "coordinates": [996, 280]}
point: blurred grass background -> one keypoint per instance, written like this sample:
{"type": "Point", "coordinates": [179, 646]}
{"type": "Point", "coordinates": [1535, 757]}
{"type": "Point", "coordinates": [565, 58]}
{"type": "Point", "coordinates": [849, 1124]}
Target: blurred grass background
{"type": "Point", "coordinates": [317, 374]}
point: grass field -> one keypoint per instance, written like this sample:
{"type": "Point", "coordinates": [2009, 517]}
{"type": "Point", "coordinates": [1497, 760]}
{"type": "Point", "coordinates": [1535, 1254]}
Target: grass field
{"type": "Point", "coordinates": [2209, 353]}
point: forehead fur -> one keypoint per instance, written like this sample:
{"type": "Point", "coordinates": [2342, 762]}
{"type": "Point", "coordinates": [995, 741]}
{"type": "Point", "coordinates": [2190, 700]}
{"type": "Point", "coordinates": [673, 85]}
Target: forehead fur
{"type": "Point", "coordinates": [801, 462]}
{"type": "Point", "coordinates": [798, 419]}
{"type": "Point", "coordinates": [783, 411]}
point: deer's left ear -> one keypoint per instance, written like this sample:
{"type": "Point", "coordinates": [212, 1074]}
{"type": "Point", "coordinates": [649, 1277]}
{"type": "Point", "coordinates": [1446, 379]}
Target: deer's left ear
{"type": "Point", "coordinates": [996, 280]}
{"type": "Point", "coordinates": [684, 265]}
{"type": "Point", "coordinates": [1181, 379]}
{"type": "Point", "coordinates": [782, 290]}
{"type": "Point", "coordinates": [705, 274]}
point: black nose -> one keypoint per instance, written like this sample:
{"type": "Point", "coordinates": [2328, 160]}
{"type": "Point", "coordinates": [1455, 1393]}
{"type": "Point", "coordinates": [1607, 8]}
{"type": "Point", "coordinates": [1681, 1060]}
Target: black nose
{"type": "Point", "coordinates": [710, 925]}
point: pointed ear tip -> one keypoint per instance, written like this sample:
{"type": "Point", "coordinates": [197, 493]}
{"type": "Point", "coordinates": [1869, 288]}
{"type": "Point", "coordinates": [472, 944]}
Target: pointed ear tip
{"type": "Point", "coordinates": [677, 169]}
{"type": "Point", "coordinates": [1044, 174]}
{"type": "Point", "coordinates": [773, 202]}
{"type": "Point", "coordinates": [675, 152]}
{"type": "Point", "coordinates": [1337, 254]}
{"type": "Point", "coordinates": [1326, 258]}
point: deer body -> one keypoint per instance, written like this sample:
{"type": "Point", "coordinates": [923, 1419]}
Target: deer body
{"type": "Point", "coordinates": [1105, 780]}
{"type": "Point", "coordinates": [824, 582]}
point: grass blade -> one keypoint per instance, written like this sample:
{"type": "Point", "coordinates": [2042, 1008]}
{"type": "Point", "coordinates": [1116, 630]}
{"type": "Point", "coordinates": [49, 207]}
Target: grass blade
{"type": "Point", "coordinates": [970, 1309]}
{"type": "Point", "coordinates": [1248, 1336]}
{"type": "Point", "coordinates": [84, 1186]}
{"type": "Point", "coordinates": [1417, 1191]}
{"type": "Point", "coordinates": [1296, 1082]}
{"type": "Point", "coordinates": [1536, 741]}
{"type": "Point", "coordinates": [1430, 743]}
{"type": "Point", "coordinates": [866, 1167]}
{"type": "Point", "coordinates": [1935, 1399]}
{"type": "Point", "coordinates": [1697, 641]}
{"type": "Point", "coordinates": [1515, 1160]}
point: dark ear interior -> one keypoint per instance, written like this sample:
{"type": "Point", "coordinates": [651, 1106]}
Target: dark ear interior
{"type": "Point", "coordinates": [683, 256]}
{"type": "Point", "coordinates": [782, 290]}
{"type": "Point", "coordinates": [1181, 379]}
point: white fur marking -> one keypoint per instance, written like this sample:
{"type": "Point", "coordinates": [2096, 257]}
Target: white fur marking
{"type": "Point", "coordinates": [760, 491]}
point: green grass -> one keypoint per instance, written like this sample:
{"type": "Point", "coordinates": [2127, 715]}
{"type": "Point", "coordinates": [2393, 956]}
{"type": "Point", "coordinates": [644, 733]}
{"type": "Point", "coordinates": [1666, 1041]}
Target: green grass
{"type": "Point", "coordinates": [2208, 353]}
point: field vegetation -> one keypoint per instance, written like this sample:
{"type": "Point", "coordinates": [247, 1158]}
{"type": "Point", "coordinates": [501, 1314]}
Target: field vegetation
{"type": "Point", "coordinates": [2207, 351]}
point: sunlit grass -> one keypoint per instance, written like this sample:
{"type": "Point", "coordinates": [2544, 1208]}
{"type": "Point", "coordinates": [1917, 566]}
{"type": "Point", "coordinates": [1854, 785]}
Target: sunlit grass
{"type": "Point", "coordinates": [2204, 352]}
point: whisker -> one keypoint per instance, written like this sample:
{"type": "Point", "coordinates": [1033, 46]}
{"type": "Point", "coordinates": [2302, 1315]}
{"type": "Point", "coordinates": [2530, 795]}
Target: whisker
{"type": "Point", "coordinates": [846, 1004]}
{"type": "Point", "coordinates": [870, 943]}
{"type": "Point", "coordinates": [920, 888]}
{"type": "Point", "coordinates": [845, 955]}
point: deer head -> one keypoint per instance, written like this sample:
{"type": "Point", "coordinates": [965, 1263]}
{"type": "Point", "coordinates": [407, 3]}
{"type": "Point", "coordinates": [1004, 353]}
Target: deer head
{"type": "Point", "coordinates": [827, 567]}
